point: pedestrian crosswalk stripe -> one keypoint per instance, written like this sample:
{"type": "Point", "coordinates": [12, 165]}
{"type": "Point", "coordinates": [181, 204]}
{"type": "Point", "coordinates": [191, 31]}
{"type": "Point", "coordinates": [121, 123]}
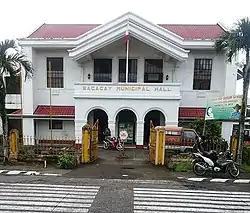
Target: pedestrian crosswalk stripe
{"type": "Point", "coordinates": [46, 198]}
{"type": "Point", "coordinates": [175, 200]}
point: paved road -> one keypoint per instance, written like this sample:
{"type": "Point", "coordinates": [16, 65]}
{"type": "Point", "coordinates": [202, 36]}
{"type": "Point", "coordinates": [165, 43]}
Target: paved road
{"type": "Point", "coordinates": [61, 194]}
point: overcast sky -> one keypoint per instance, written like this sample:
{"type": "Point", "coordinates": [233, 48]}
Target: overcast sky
{"type": "Point", "coordinates": [19, 18]}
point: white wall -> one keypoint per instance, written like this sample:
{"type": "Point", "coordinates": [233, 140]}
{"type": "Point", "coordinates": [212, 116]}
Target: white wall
{"type": "Point", "coordinates": [72, 74]}
{"type": "Point", "coordinates": [43, 131]}
{"type": "Point", "coordinates": [183, 73]}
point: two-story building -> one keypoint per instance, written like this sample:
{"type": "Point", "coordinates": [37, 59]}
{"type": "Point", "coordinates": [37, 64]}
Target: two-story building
{"type": "Point", "coordinates": [172, 71]}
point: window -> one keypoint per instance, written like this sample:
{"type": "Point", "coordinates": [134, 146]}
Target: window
{"type": "Point", "coordinates": [189, 135]}
{"type": "Point", "coordinates": [56, 124]}
{"type": "Point", "coordinates": [13, 85]}
{"type": "Point", "coordinates": [55, 78]}
{"type": "Point", "coordinates": [153, 71]}
{"type": "Point", "coordinates": [202, 74]}
{"type": "Point", "coordinates": [132, 70]}
{"type": "Point", "coordinates": [103, 70]}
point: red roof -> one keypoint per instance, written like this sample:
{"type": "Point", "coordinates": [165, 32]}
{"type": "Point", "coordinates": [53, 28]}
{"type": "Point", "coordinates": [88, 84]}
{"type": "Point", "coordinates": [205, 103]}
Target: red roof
{"type": "Point", "coordinates": [191, 112]}
{"type": "Point", "coordinates": [55, 110]}
{"type": "Point", "coordinates": [17, 112]}
{"type": "Point", "coordinates": [74, 30]}
{"type": "Point", "coordinates": [184, 112]}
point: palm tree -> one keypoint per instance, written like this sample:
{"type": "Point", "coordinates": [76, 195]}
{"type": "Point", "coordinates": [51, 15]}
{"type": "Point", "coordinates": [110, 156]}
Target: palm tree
{"type": "Point", "coordinates": [10, 64]}
{"type": "Point", "coordinates": [233, 42]}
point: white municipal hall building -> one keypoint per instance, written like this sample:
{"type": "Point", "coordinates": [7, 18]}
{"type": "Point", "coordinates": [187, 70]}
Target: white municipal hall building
{"type": "Point", "coordinates": [172, 71]}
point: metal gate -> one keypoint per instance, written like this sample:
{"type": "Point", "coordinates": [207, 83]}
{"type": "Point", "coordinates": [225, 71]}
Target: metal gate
{"type": "Point", "coordinates": [157, 144]}
{"type": "Point", "coordinates": [152, 143]}
{"type": "Point", "coordinates": [90, 142]}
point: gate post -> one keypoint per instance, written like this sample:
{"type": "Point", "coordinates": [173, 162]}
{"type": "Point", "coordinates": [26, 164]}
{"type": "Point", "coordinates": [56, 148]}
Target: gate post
{"type": "Point", "coordinates": [13, 138]}
{"type": "Point", "coordinates": [85, 143]}
{"type": "Point", "coordinates": [160, 146]}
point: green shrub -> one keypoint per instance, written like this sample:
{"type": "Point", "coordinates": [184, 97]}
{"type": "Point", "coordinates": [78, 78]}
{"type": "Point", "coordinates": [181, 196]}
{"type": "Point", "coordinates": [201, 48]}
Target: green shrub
{"type": "Point", "coordinates": [246, 155]}
{"type": "Point", "coordinates": [181, 167]}
{"type": "Point", "coordinates": [66, 161]}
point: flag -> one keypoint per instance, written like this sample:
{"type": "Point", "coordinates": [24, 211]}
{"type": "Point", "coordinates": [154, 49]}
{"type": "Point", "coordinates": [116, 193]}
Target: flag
{"type": "Point", "coordinates": [126, 39]}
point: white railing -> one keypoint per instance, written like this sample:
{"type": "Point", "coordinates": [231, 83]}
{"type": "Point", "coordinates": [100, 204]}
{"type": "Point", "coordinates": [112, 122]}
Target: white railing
{"type": "Point", "coordinates": [13, 101]}
{"type": "Point", "coordinates": [127, 91]}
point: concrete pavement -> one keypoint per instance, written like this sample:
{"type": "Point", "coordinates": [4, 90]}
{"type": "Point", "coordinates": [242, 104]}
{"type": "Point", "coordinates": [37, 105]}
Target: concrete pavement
{"type": "Point", "coordinates": [61, 194]}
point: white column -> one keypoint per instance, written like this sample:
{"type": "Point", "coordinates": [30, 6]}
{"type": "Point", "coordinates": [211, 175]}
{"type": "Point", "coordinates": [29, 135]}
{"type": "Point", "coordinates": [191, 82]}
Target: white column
{"type": "Point", "coordinates": [139, 133]}
{"type": "Point", "coordinates": [28, 131]}
{"type": "Point", "coordinates": [27, 86]}
{"type": "Point", "coordinates": [140, 70]}
{"type": "Point", "coordinates": [227, 129]}
{"type": "Point", "coordinates": [115, 69]}
{"type": "Point", "coordinates": [112, 127]}
{"type": "Point", "coordinates": [78, 130]}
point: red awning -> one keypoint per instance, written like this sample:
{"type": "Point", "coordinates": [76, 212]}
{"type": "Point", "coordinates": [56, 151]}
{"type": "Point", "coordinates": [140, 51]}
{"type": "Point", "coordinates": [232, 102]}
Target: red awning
{"type": "Point", "coordinates": [191, 112]}
{"type": "Point", "coordinates": [55, 110]}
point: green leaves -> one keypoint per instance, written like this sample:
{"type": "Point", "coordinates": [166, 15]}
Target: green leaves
{"type": "Point", "coordinates": [235, 40]}
{"type": "Point", "coordinates": [212, 128]}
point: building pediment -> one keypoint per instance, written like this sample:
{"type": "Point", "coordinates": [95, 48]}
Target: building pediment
{"type": "Point", "coordinates": [145, 31]}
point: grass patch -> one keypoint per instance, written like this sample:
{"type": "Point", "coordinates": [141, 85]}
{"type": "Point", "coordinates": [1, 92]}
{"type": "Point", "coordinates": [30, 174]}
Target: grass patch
{"type": "Point", "coordinates": [245, 168]}
{"type": "Point", "coordinates": [181, 167]}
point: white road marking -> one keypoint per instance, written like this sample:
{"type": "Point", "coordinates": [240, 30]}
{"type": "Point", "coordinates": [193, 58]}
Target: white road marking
{"type": "Point", "coordinates": [172, 200]}
{"type": "Point", "coordinates": [46, 198]}
{"type": "Point", "coordinates": [219, 180]}
{"type": "Point", "coordinates": [242, 181]}
{"type": "Point", "coordinates": [197, 179]}
{"type": "Point", "coordinates": [32, 173]}
{"type": "Point", "coordinates": [14, 172]}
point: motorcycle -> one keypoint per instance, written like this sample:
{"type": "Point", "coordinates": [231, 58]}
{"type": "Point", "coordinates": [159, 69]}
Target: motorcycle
{"type": "Point", "coordinates": [113, 143]}
{"type": "Point", "coordinates": [214, 162]}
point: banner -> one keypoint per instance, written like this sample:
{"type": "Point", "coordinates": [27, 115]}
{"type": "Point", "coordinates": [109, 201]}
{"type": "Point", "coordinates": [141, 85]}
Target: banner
{"type": "Point", "coordinates": [224, 108]}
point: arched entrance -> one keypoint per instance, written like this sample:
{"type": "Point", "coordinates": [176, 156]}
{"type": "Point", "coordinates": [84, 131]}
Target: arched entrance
{"type": "Point", "coordinates": [126, 120]}
{"type": "Point", "coordinates": [103, 121]}
{"type": "Point", "coordinates": [158, 119]}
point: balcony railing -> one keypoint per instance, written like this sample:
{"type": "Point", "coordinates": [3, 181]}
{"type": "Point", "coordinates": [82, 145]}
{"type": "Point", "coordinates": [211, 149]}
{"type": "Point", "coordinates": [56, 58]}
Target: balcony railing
{"type": "Point", "coordinates": [102, 77]}
{"type": "Point", "coordinates": [127, 90]}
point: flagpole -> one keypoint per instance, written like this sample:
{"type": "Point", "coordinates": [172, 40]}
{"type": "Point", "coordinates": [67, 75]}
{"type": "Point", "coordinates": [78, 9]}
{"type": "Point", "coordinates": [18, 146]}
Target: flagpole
{"type": "Point", "coordinates": [50, 110]}
{"type": "Point", "coordinates": [127, 47]}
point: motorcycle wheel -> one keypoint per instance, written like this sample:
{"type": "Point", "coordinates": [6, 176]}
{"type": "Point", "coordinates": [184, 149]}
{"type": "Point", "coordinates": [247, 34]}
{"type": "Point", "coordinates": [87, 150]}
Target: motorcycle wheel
{"type": "Point", "coordinates": [233, 170]}
{"type": "Point", "coordinates": [119, 147]}
{"type": "Point", "coordinates": [105, 145]}
{"type": "Point", "coordinates": [198, 170]}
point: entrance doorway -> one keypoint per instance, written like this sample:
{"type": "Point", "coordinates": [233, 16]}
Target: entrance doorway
{"type": "Point", "coordinates": [103, 121]}
{"type": "Point", "coordinates": [126, 120]}
{"type": "Point", "coordinates": [157, 118]}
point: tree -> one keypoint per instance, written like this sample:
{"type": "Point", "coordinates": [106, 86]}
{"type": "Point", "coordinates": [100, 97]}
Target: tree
{"type": "Point", "coordinates": [212, 128]}
{"type": "Point", "coordinates": [233, 42]}
{"type": "Point", "coordinates": [10, 64]}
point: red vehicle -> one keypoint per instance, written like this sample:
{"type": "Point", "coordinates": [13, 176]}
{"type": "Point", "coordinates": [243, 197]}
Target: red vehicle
{"type": "Point", "coordinates": [112, 143]}
{"type": "Point", "coordinates": [179, 138]}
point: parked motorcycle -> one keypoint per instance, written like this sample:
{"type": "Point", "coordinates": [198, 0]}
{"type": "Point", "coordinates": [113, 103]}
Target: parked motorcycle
{"type": "Point", "coordinates": [212, 161]}
{"type": "Point", "coordinates": [112, 143]}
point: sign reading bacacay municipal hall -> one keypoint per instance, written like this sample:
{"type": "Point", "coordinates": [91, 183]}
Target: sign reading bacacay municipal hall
{"type": "Point", "coordinates": [126, 88]}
